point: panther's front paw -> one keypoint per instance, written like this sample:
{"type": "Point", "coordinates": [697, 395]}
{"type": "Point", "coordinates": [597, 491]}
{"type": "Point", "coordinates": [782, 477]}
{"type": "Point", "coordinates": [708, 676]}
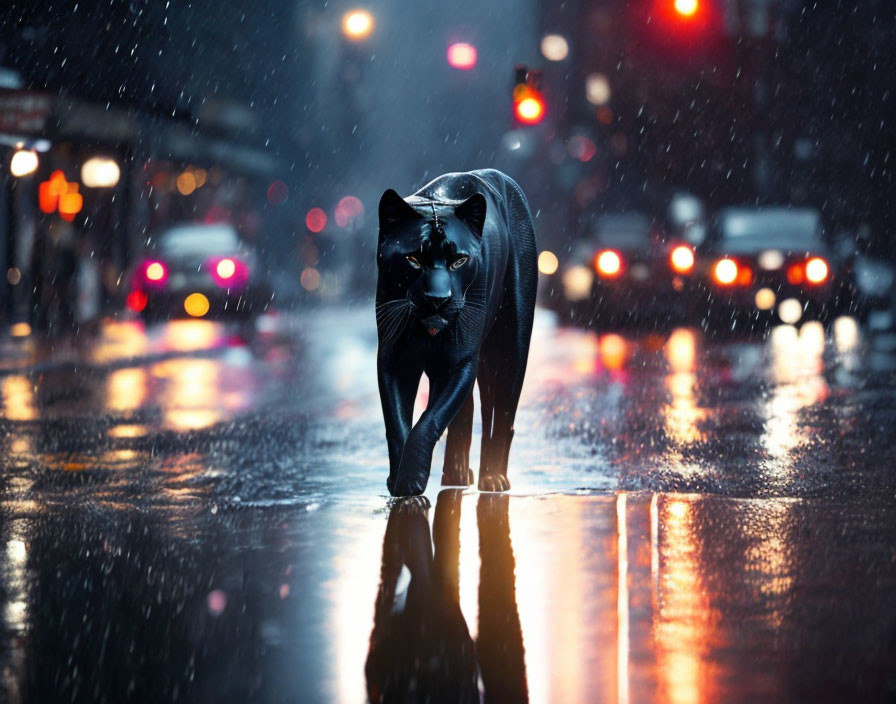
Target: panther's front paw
{"type": "Point", "coordinates": [462, 477]}
{"type": "Point", "coordinates": [494, 482]}
{"type": "Point", "coordinates": [408, 484]}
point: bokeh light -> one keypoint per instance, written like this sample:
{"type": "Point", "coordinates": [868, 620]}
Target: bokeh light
{"type": "Point", "coordinates": [196, 305]}
{"type": "Point", "coordinates": [790, 311]}
{"type": "Point", "coordinates": [348, 210]}
{"type": "Point", "coordinates": [100, 172]}
{"type": "Point", "coordinates": [597, 89]}
{"type": "Point", "coordinates": [765, 299]}
{"type": "Point", "coordinates": [310, 279]}
{"type": "Point", "coordinates": [462, 56]}
{"type": "Point", "coordinates": [278, 193]}
{"type": "Point", "coordinates": [554, 47]}
{"type": "Point", "coordinates": [316, 220]}
{"type": "Point", "coordinates": [357, 24]}
{"type": "Point", "coordinates": [577, 282]}
{"type": "Point", "coordinates": [186, 183]}
{"type": "Point", "coordinates": [725, 271]}
{"type": "Point", "coordinates": [682, 259]}
{"type": "Point", "coordinates": [816, 270]}
{"type": "Point", "coordinates": [609, 263]}
{"type": "Point", "coordinates": [530, 110]}
{"type": "Point", "coordinates": [226, 268]}
{"type": "Point", "coordinates": [547, 262]}
{"type": "Point", "coordinates": [581, 148]}
{"type": "Point", "coordinates": [23, 162]}
{"type": "Point", "coordinates": [686, 8]}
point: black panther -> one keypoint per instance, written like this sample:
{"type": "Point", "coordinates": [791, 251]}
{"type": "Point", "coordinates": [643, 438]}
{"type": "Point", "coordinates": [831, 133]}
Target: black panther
{"type": "Point", "coordinates": [455, 299]}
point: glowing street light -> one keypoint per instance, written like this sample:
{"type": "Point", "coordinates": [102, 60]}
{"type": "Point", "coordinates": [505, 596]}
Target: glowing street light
{"type": "Point", "coordinates": [554, 47]}
{"type": "Point", "coordinates": [23, 162]}
{"type": "Point", "coordinates": [357, 24]}
{"type": "Point", "coordinates": [100, 172]}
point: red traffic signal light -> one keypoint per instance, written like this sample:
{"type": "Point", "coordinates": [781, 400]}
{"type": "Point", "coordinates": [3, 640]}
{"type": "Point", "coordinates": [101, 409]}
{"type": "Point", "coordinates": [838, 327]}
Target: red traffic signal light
{"type": "Point", "coordinates": [687, 8]}
{"type": "Point", "coordinates": [528, 106]}
{"type": "Point", "coordinates": [528, 102]}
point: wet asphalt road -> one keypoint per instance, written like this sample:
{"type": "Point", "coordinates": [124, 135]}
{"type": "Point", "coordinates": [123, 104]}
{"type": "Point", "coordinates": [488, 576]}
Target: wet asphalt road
{"type": "Point", "coordinates": [198, 513]}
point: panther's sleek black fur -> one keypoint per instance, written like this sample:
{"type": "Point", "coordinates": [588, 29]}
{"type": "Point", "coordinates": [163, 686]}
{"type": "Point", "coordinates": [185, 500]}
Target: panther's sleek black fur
{"type": "Point", "coordinates": [455, 300]}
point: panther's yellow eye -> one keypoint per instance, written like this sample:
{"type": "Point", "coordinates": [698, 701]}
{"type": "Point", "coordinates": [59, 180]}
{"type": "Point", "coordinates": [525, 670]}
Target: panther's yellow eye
{"type": "Point", "coordinates": [458, 263]}
{"type": "Point", "coordinates": [413, 261]}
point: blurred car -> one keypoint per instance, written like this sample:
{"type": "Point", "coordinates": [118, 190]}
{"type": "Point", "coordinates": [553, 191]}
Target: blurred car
{"type": "Point", "coordinates": [199, 270]}
{"type": "Point", "coordinates": [624, 272]}
{"type": "Point", "coordinates": [768, 265]}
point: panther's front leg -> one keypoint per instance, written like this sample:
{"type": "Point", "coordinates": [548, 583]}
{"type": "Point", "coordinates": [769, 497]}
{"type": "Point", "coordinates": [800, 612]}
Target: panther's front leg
{"type": "Point", "coordinates": [398, 388]}
{"type": "Point", "coordinates": [447, 394]}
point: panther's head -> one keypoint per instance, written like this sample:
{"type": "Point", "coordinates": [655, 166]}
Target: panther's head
{"type": "Point", "coordinates": [429, 256]}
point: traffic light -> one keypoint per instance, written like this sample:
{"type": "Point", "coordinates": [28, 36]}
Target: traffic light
{"type": "Point", "coordinates": [528, 101]}
{"type": "Point", "coordinates": [686, 8]}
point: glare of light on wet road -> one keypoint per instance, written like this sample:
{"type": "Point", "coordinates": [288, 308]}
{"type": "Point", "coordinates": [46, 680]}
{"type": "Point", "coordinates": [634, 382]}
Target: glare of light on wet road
{"type": "Point", "coordinates": [769, 558]}
{"type": "Point", "coordinates": [128, 431]}
{"type": "Point", "coordinates": [18, 398]}
{"type": "Point", "coordinates": [682, 415]}
{"type": "Point", "coordinates": [614, 351]}
{"type": "Point", "coordinates": [846, 334]}
{"type": "Point", "coordinates": [351, 593]}
{"type": "Point", "coordinates": [126, 389]}
{"type": "Point", "coordinates": [16, 611]}
{"type": "Point", "coordinates": [119, 340]}
{"type": "Point", "coordinates": [190, 335]}
{"type": "Point", "coordinates": [622, 611]}
{"type": "Point", "coordinates": [798, 383]}
{"type": "Point", "coordinates": [683, 628]}
{"type": "Point", "coordinates": [556, 640]}
{"type": "Point", "coordinates": [469, 565]}
{"type": "Point", "coordinates": [189, 397]}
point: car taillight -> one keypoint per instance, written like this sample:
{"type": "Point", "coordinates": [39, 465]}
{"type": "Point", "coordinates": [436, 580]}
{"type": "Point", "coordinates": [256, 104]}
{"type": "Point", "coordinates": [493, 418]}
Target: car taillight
{"type": "Point", "coordinates": [155, 272]}
{"type": "Point", "coordinates": [682, 259]}
{"type": "Point", "coordinates": [816, 270]}
{"type": "Point", "coordinates": [137, 300]}
{"type": "Point", "coordinates": [608, 263]}
{"type": "Point", "coordinates": [725, 271]}
{"type": "Point", "coordinates": [228, 272]}
{"type": "Point", "coordinates": [795, 274]}
{"type": "Point", "coordinates": [225, 269]}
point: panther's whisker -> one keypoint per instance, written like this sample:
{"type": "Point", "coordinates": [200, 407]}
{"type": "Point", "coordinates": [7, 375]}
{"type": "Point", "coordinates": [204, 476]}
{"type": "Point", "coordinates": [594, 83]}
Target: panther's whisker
{"type": "Point", "coordinates": [395, 326]}
{"type": "Point", "coordinates": [389, 319]}
{"type": "Point", "coordinates": [392, 303]}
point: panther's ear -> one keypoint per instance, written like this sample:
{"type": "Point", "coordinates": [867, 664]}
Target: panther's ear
{"type": "Point", "coordinates": [472, 213]}
{"type": "Point", "coordinates": [394, 210]}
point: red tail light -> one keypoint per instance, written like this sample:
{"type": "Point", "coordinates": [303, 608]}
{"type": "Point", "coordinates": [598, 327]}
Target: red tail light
{"type": "Point", "coordinates": [682, 259]}
{"type": "Point", "coordinates": [228, 272]}
{"type": "Point", "coordinates": [155, 273]}
{"type": "Point", "coordinates": [817, 270]}
{"type": "Point", "coordinates": [725, 271]}
{"type": "Point", "coordinates": [137, 300]}
{"type": "Point", "coordinates": [608, 263]}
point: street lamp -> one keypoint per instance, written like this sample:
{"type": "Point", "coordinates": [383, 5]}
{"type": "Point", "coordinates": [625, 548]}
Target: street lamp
{"type": "Point", "coordinates": [23, 162]}
{"type": "Point", "coordinates": [100, 172]}
{"type": "Point", "coordinates": [357, 24]}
